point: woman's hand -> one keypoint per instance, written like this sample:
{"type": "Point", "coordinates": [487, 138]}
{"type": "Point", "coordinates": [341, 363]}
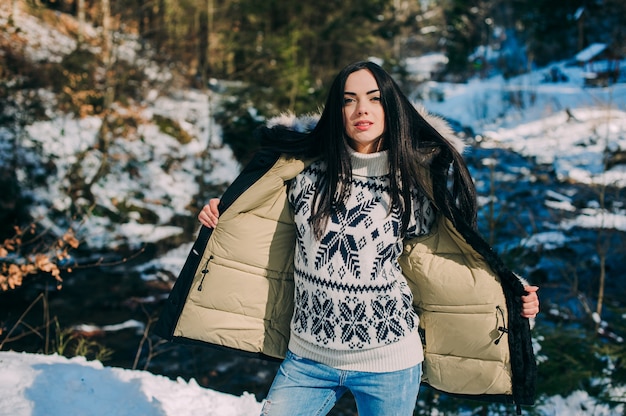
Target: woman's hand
{"type": "Point", "coordinates": [209, 214]}
{"type": "Point", "coordinates": [530, 302]}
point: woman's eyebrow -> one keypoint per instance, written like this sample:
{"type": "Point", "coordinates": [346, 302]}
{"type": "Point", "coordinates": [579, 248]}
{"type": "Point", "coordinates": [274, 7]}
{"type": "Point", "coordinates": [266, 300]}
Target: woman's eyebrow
{"type": "Point", "coordinates": [354, 93]}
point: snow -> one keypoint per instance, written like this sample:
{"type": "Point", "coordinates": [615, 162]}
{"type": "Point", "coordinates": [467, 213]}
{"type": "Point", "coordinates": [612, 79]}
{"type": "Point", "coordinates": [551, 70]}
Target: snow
{"type": "Point", "coordinates": [421, 67]}
{"type": "Point", "coordinates": [578, 403]}
{"type": "Point", "coordinates": [590, 51]}
{"type": "Point", "coordinates": [41, 43]}
{"type": "Point", "coordinates": [574, 146]}
{"type": "Point", "coordinates": [52, 385]}
{"type": "Point", "coordinates": [562, 124]}
{"type": "Point", "coordinates": [153, 170]}
{"type": "Point", "coordinates": [548, 240]}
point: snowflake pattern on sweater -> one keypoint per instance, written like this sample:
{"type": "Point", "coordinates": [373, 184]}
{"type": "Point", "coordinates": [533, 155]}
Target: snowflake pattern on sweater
{"type": "Point", "coordinates": [350, 293]}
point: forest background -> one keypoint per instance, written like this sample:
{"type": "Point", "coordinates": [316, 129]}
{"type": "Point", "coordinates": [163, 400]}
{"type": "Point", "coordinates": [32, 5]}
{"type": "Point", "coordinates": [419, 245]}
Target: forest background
{"type": "Point", "coordinates": [283, 53]}
{"type": "Point", "coordinates": [267, 58]}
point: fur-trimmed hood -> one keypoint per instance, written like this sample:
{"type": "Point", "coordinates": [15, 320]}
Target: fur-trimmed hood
{"type": "Point", "coordinates": [306, 123]}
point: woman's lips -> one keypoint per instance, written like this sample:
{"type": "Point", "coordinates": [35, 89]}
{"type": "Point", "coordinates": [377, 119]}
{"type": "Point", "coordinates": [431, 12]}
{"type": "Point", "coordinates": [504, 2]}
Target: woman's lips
{"type": "Point", "coordinates": [363, 125]}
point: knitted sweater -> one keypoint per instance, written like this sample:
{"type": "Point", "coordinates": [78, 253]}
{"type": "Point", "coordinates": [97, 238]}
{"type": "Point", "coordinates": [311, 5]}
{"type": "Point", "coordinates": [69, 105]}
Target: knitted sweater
{"type": "Point", "coordinates": [353, 308]}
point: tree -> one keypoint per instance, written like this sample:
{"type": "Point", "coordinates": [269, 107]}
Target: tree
{"type": "Point", "coordinates": [80, 7]}
{"type": "Point", "coordinates": [550, 29]}
{"type": "Point", "coordinates": [467, 25]}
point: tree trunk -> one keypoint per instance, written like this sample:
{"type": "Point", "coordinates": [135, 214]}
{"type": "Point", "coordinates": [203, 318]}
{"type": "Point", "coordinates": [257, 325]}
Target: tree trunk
{"type": "Point", "coordinates": [14, 11]}
{"type": "Point", "coordinates": [106, 32]}
{"type": "Point", "coordinates": [209, 58]}
{"type": "Point", "coordinates": [80, 11]}
{"type": "Point", "coordinates": [109, 95]}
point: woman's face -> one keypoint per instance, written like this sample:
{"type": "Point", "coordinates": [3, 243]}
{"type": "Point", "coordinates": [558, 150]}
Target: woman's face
{"type": "Point", "coordinates": [363, 114]}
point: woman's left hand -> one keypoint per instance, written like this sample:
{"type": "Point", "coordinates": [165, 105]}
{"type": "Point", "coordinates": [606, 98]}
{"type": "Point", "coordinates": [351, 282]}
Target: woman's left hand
{"type": "Point", "coordinates": [530, 302]}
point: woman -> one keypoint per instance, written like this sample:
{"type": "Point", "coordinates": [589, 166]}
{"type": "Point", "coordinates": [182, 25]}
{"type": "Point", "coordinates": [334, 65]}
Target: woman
{"type": "Point", "coordinates": [347, 250]}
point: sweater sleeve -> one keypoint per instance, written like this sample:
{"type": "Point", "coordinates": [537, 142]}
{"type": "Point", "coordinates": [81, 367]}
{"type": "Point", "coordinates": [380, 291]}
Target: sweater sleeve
{"type": "Point", "coordinates": [423, 215]}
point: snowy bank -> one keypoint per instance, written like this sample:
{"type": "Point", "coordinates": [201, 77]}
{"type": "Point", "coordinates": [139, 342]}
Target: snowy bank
{"type": "Point", "coordinates": [51, 385]}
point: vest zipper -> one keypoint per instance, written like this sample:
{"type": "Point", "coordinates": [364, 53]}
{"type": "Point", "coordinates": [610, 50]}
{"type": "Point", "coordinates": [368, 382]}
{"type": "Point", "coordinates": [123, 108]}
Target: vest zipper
{"type": "Point", "coordinates": [205, 270]}
{"type": "Point", "coordinates": [503, 329]}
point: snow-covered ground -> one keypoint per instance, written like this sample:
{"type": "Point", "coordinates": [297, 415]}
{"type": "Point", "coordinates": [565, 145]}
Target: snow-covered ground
{"type": "Point", "coordinates": [52, 385]}
{"type": "Point", "coordinates": [148, 170]}
{"type": "Point", "coordinates": [562, 124]}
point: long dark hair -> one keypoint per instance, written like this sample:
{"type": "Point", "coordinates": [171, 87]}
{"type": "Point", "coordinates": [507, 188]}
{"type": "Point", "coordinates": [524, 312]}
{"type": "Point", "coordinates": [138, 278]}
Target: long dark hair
{"type": "Point", "coordinates": [419, 156]}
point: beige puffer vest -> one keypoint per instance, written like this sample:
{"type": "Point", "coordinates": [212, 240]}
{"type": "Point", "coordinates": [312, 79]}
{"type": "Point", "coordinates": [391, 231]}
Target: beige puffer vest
{"type": "Point", "coordinates": [242, 292]}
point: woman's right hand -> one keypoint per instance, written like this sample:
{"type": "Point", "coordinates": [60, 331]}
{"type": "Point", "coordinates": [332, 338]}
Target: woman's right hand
{"type": "Point", "coordinates": [209, 214]}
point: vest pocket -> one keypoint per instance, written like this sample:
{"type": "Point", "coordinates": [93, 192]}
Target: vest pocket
{"type": "Point", "coordinates": [471, 331]}
{"type": "Point", "coordinates": [466, 349]}
{"type": "Point", "coordinates": [460, 375]}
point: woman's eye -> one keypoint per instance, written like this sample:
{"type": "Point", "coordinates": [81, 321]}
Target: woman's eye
{"type": "Point", "coordinates": [348, 100]}
{"type": "Point", "coordinates": [375, 98]}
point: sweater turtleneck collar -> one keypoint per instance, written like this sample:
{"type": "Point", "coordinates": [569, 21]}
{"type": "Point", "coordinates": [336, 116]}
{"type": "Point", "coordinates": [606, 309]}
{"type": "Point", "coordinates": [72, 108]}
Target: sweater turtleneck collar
{"type": "Point", "coordinates": [369, 164]}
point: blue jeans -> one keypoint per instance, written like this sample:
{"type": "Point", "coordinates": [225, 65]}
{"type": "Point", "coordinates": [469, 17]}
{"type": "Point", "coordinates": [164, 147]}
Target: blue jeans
{"type": "Point", "coordinates": [308, 388]}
